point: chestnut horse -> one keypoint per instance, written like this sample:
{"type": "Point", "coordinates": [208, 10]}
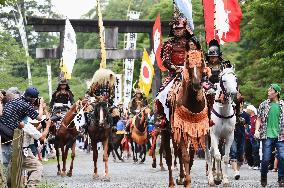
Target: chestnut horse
{"type": "Point", "coordinates": [65, 138]}
{"type": "Point", "coordinates": [188, 116]}
{"type": "Point", "coordinates": [139, 135]}
{"type": "Point", "coordinates": [99, 130]}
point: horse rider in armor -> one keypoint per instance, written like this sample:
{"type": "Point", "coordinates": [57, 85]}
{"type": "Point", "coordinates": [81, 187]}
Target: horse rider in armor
{"type": "Point", "coordinates": [62, 95]}
{"type": "Point", "coordinates": [173, 56]}
{"type": "Point", "coordinates": [216, 64]}
{"type": "Point", "coordinates": [137, 103]}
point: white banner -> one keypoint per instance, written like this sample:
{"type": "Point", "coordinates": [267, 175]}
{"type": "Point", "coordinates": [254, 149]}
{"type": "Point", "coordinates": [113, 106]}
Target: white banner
{"type": "Point", "coordinates": [118, 89]}
{"type": "Point", "coordinates": [49, 81]}
{"type": "Point", "coordinates": [23, 35]}
{"type": "Point", "coordinates": [69, 53]}
{"type": "Point", "coordinates": [130, 44]}
{"type": "Point", "coordinates": [79, 119]}
{"type": "Point", "coordinates": [128, 79]}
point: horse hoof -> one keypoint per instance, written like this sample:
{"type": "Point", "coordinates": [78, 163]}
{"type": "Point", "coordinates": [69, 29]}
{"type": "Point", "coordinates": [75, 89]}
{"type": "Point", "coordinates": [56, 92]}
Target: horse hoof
{"type": "Point", "coordinates": [141, 162]}
{"type": "Point", "coordinates": [69, 174]}
{"type": "Point", "coordinates": [211, 183]}
{"type": "Point", "coordinates": [179, 181]}
{"type": "Point", "coordinates": [163, 168]}
{"type": "Point", "coordinates": [217, 181]}
{"type": "Point", "coordinates": [58, 173]}
{"type": "Point", "coordinates": [63, 174]}
{"type": "Point", "coordinates": [106, 179]}
{"type": "Point", "coordinates": [227, 184]}
{"type": "Point", "coordinates": [95, 176]}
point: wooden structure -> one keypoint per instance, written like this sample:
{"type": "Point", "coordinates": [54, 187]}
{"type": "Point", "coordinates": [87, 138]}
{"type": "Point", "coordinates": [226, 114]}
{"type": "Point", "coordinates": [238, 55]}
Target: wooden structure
{"type": "Point", "coordinates": [112, 28]}
{"type": "Point", "coordinates": [17, 159]}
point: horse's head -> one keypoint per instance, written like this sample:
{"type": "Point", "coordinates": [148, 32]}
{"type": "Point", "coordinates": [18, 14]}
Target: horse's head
{"type": "Point", "coordinates": [193, 69]}
{"type": "Point", "coordinates": [229, 82]}
{"type": "Point", "coordinates": [100, 113]}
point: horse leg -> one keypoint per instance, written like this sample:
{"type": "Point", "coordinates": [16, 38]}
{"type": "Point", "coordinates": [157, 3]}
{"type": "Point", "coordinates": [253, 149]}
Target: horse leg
{"type": "Point", "coordinates": [105, 159]}
{"type": "Point", "coordinates": [217, 157]}
{"type": "Point", "coordinates": [185, 158]}
{"type": "Point", "coordinates": [152, 151]}
{"type": "Point", "coordinates": [72, 160]}
{"type": "Point", "coordinates": [161, 157]}
{"type": "Point", "coordinates": [58, 162]}
{"type": "Point", "coordinates": [154, 163]}
{"type": "Point", "coordinates": [166, 138]}
{"type": "Point", "coordinates": [64, 157]}
{"type": "Point", "coordinates": [144, 153]}
{"type": "Point", "coordinates": [117, 154]}
{"type": "Point", "coordinates": [226, 159]}
{"type": "Point", "coordinates": [180, 181]}
{"type": "Point", "coordinates": [133, 151]}
{"type": "Point", "coordinates": [95, 159]}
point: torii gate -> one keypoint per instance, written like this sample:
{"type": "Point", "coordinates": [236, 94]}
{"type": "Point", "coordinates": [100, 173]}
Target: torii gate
{"type": "Point", "coordinates": [112, 28]}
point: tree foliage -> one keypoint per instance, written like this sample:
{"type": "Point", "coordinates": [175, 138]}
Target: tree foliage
{"type": "Point", "coordinates": [258, 57]}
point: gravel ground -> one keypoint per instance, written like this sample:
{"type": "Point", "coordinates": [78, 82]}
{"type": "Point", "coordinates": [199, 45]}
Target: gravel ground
{"type": "Point", "coordinates": [128, 174]}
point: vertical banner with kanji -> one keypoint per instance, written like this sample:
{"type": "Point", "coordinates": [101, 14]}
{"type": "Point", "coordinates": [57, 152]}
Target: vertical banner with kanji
{"type": "Point", "coordinates": [129, 44]}
{"type": "Point", "coordinates": [118, 89]}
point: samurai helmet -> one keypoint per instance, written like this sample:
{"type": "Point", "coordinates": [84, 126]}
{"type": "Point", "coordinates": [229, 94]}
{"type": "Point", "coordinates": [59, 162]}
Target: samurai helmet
{"type": "Point", "coordinates": [214, 49]}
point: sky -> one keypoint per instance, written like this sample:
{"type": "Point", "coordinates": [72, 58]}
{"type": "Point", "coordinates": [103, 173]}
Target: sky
{"type": "Point", "coordinates": [73, 9]}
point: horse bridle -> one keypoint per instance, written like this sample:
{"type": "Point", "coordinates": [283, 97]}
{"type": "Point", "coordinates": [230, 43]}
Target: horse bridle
{"type": "Point", "coordinates": [224, 91]}
{"type": "Point", "coordinates": [97, 120]}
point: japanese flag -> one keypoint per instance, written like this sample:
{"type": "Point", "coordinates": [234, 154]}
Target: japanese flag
{"type": "Point", "coordinates": [146, 74]}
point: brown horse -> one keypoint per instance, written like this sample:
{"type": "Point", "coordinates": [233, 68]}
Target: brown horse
{"type": "Point", "coordinates": [139, 136]}
{"type": "Point", "coordinates": [99, 130]}
{"type": "Point", "coordinates": [189, 115]}
{"type": "Point", "coordinates": [65, 138]}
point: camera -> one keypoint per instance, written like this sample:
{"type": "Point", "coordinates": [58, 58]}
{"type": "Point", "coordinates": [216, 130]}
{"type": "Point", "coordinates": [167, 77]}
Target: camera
{"type": "Point", "coordinates": [37, 102]}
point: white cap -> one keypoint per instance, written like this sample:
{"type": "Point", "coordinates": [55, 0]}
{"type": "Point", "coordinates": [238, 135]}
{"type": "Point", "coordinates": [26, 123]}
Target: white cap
{"type": "Point", "coordinates": [252, 108]}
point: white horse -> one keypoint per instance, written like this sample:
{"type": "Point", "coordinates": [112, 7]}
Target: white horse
{"type": "Point", "coordinates": [224, 118]}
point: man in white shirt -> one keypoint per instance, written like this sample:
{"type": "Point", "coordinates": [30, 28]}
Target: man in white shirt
{"type": "Point", "coordinates": [30, 162]}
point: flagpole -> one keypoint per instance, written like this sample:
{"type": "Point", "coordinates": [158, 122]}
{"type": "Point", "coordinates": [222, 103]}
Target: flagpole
{"type": "Point", "coordinates": [204, 25]}
{"type": "Point", "coordinates": [102, 41]}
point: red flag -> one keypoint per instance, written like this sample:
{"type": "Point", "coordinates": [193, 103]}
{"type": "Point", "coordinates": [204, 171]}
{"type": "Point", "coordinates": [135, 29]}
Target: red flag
{"type": "Point", "coordinates": [157, 38]}
{"type": "Point", "coordinates": [222, 20]}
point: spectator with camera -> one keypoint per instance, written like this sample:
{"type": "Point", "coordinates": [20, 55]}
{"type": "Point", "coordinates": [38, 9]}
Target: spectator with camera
{"type": "Point", "coordinates": [14, 112]}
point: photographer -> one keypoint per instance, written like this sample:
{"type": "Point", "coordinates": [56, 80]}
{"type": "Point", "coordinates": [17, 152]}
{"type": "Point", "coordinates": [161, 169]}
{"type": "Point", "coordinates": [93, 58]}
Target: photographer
{"type": "Point", "coordinates": [14, 112]}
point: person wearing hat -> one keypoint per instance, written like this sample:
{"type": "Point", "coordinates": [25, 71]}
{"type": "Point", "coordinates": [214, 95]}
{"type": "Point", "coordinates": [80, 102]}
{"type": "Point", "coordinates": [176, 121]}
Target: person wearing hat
{"type": "Point", "coordinates": [269, 129]}
{"type": "Point", "coordinates": [138, 102]}
{"type": "Point", "coordinates": [13, 113]}
{"type": "Point", "coordinates": [63, 94]}
{"type": "Point", "coordinates": [252, 144]}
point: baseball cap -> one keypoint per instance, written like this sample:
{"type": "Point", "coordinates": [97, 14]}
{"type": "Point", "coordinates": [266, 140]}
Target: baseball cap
{"type": "Point", "coordinates": [276, 87]}
{"type": "Point", "coordinates": [31, 92]}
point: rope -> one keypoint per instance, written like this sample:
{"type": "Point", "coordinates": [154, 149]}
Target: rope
{"type": "Point", "coordinates": [12, 140]}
